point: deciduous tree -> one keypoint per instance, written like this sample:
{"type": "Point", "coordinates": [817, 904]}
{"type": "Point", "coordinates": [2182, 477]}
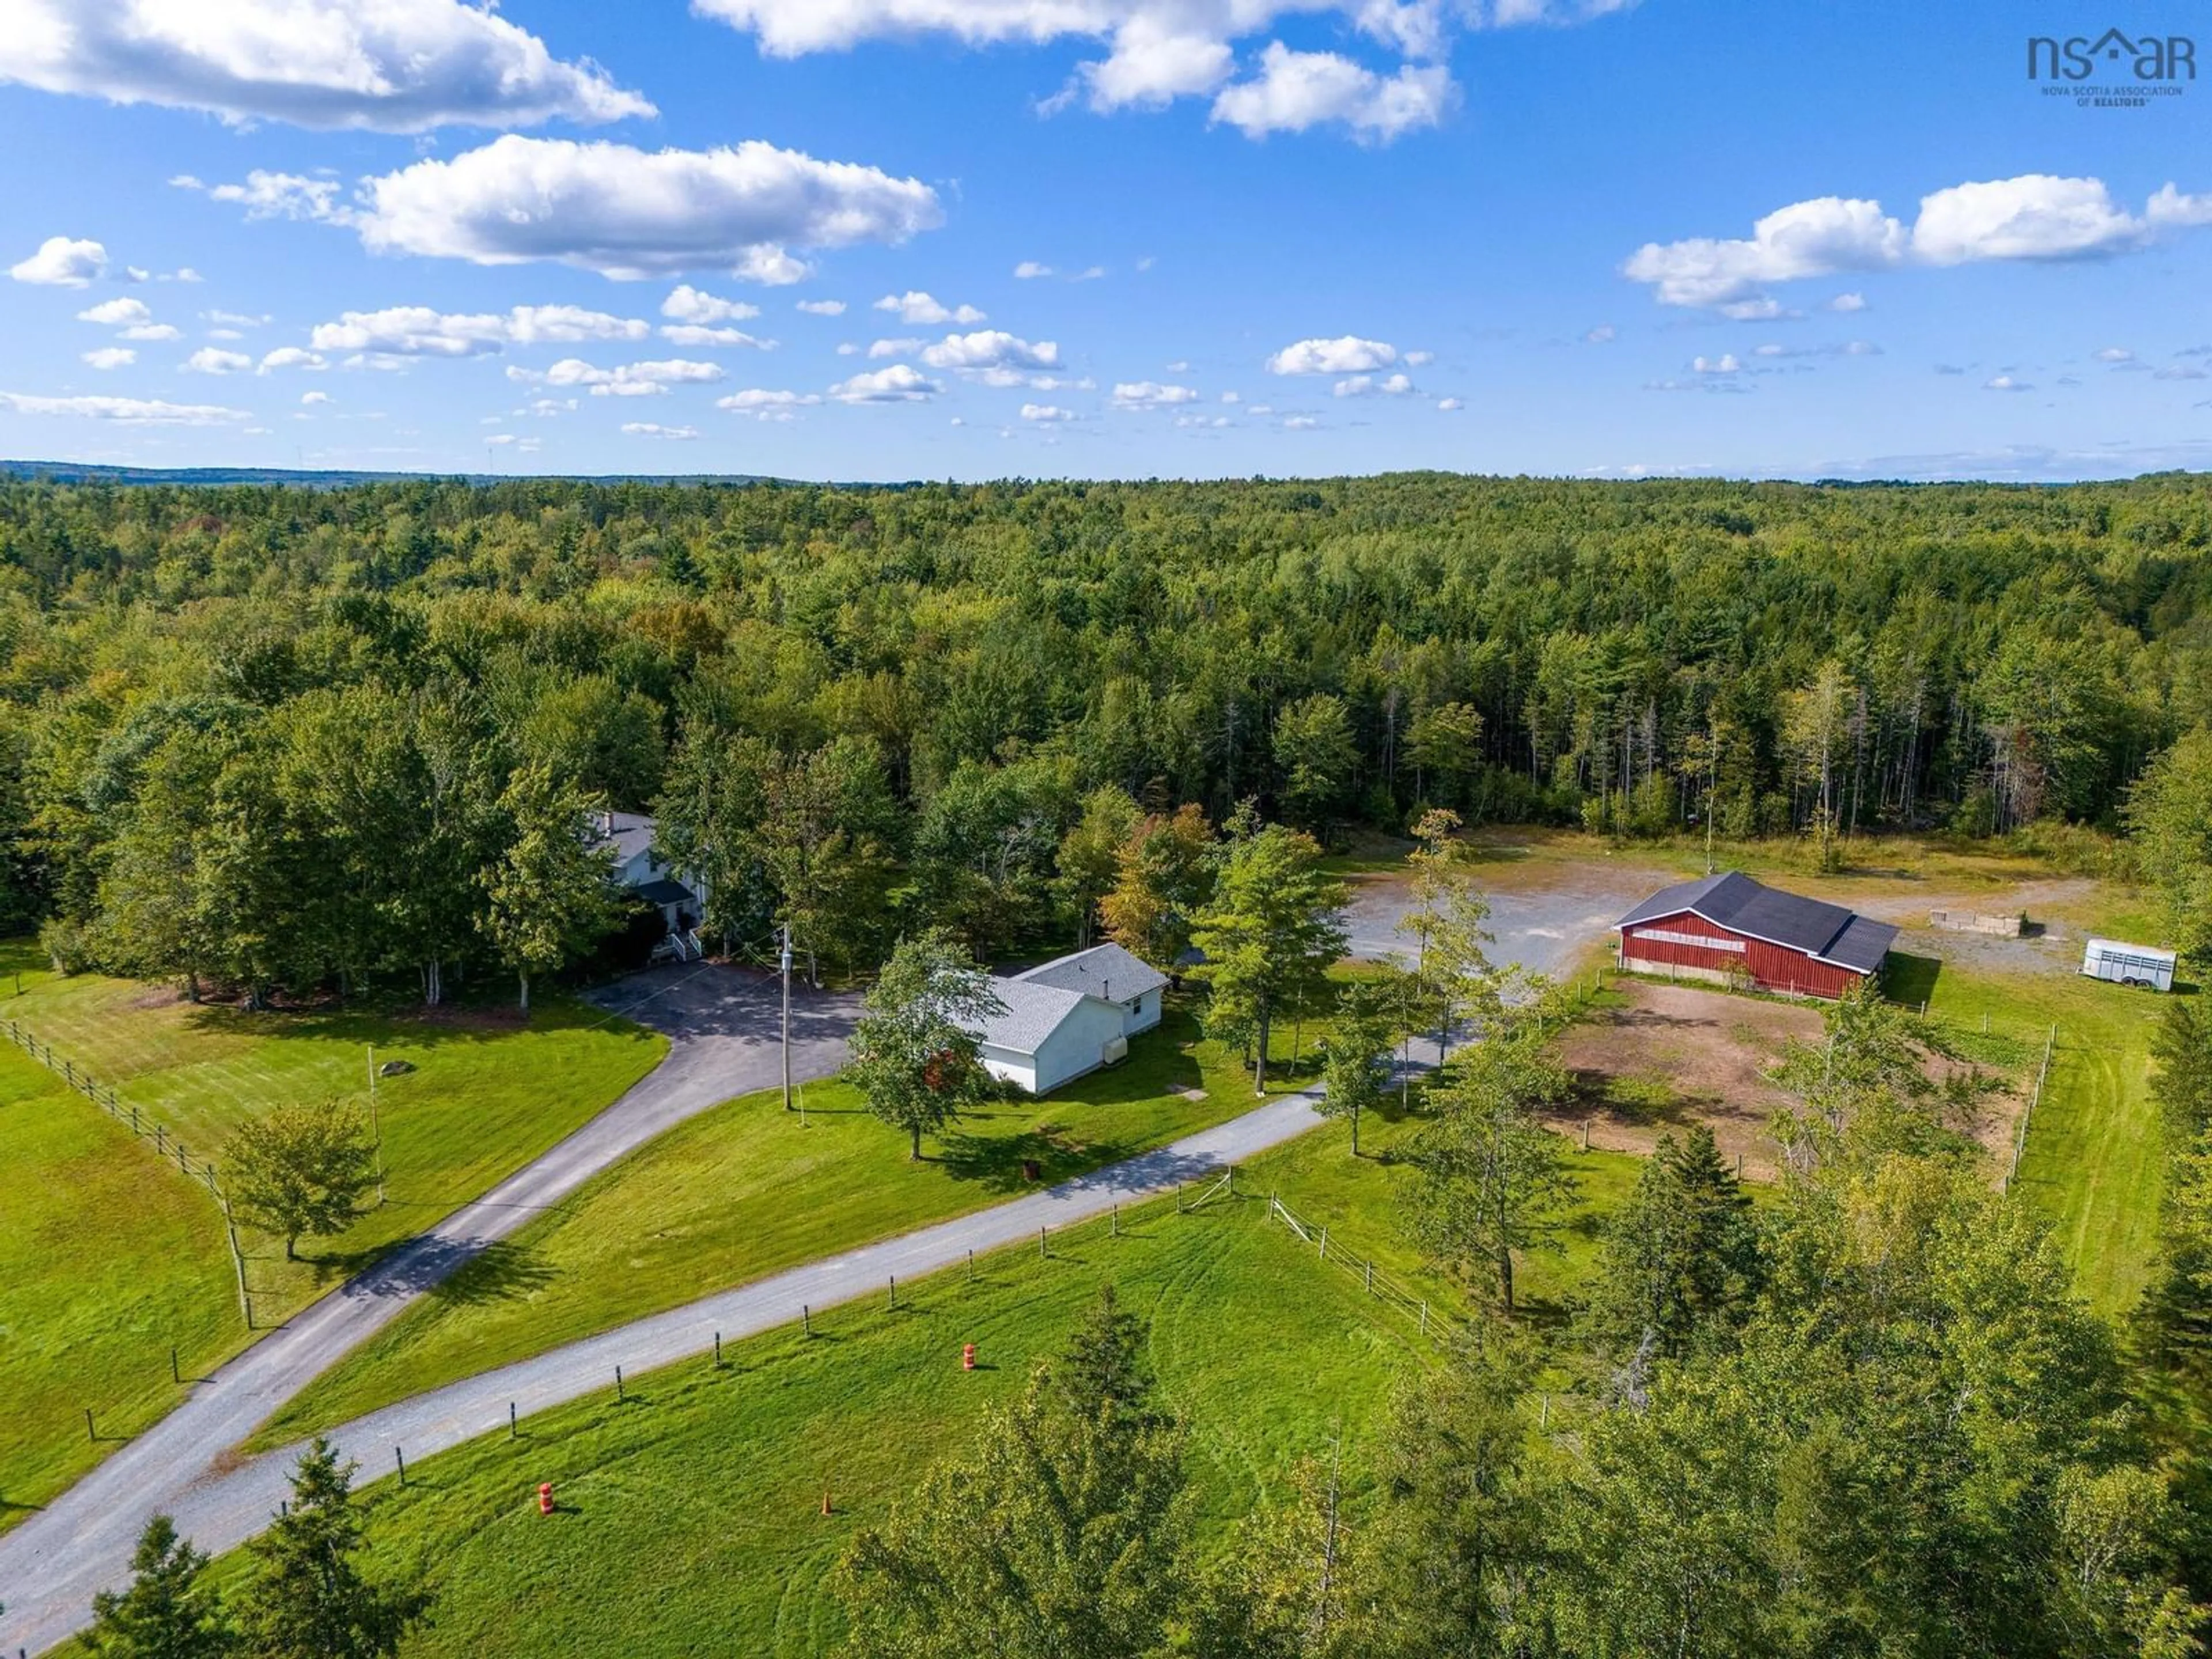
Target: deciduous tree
{"type": "Point", "coordinates": [1270, 934]}
{"type": "Point", "coordinates": [301, 1171]}
{"type": "Point", "coordinates": [914, 1054]}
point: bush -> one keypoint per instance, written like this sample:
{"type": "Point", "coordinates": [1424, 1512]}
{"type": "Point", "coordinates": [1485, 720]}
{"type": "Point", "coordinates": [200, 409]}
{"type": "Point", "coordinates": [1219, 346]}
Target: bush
{"type": "Point", "coordinates": [66, 945]}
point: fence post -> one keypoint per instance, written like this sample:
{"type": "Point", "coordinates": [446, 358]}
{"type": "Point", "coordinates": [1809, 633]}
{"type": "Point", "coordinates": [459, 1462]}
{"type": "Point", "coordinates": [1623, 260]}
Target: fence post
{"type": "Point", "coordinates": [890, 1298]}
{"type": "Point", "coordinates": [620, 1397]}
{"type": "Point", "coordinates": [175, 1373]}
{"type": "Point", "coordinates": [806, 1318]}
{"type": "Point", "coordinates": [1324, 1242]}
{"type": "Point", "coordinates": [718, 1351]}
{"type": "Point", "coordinates": [511, 1430]}
{"type": "Point", "coordinates": [1043, 1254]}
{"type": "Point", "coordinates": [1371, 1275]}
{"type": "Point", "coordinates": [400, 1458]}
{"type": "Point", "coordinates": [1425, 1319]}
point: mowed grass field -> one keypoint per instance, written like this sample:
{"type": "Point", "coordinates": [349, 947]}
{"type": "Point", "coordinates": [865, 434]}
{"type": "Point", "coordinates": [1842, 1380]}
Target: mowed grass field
{"type": "Point", "coordinates": [747, 1189]}
{"type": "Point", "coordinates": [108, 1256]}
{"type": "Point", "coordinates": [107, 1260]}
{"type": "Point", "coordinates": [690, 1516]}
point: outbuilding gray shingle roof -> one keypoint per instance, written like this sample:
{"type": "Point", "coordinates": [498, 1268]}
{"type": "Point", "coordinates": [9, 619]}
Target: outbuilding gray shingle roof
{"type": "Point", "coordinates": [1105, 971]}
{"type": "Point", "coordinates": [1031, 1014]}
{"type": "Point", "coordinates": [1827, 933]}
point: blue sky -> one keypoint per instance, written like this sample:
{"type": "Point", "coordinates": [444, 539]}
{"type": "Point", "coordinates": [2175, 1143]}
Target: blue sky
{"type": "Point", "coordinates": [1281, 236]}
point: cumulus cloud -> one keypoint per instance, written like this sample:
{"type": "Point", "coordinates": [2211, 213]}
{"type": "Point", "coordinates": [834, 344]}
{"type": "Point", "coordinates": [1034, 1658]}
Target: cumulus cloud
{"type": "Point", "coordinates": [1450, 405]}
{"type": "Point", "coordinates": [1045, 413]}
{"type": "Point", "coordinates": [421, 331]}
{"type": "Point", "coordinates": [62, 262]}
{"type": "Point", "coordinates": [629, 213]}
{"type": "Point", "coordinates": [988, 348]}
{"type": "Point", "coordinates": [2007, 383]}
{"type": "Point", "coordinates": [921, 309]}
{"type": "Point", "coordinates": [110, 356]}
{"type": "Point", "coordinates": [309, 399]}
{"type": "Point", "coordinates": [823, 308]}
{"type": "Point", "coordinates": [1347, 355]}
{"type": "Point", "coordinates": [687, 304]}
{"type": "Point", "coordinates": [290, 357]}
{"type": "Point", "coordinates": [698, 334]}
{"type": "Point", "coordinates": [1158, 51]}
{"type": "Point", "coordinates": [1603, 334]}
{"type": "Point", "coordinates": [1726, 363]}
{"type": "Point", "coordinates": [1296, 90]}
{"type": "Point", "coordinates": [1365, 386]}
{"type": "Point", "coordinates": [127, 411]}
{"type": "Point", "coordinates": [2116, 355]}
{"type": "Point", "coordinates": [655, 429]}
{"type": "Point", "coordinates": [1151, 394]}
{"type": "Point", "coordinates": [265, 194]}
{"type": "Point", "coordinates": [902, 383]}
{"type": "Point", "coordinates": [1030, 270]}
{"type": "Point", "coordinates": [211, 359]}
{"type": "Point", "coordinates": [630, 381]}
{"type": "Point", "coordinates": [394, 66]}
{"type": "Point", "coordinates": [1300, 422]}
{"type": "Point", "coordinates": [763, 405]}
{"type": "Point", "coordinates": [2035, 217]}
{"type": "Point", "coordinates": [123, 312]}
{"type": "Point", "coordinates": [902, 347]}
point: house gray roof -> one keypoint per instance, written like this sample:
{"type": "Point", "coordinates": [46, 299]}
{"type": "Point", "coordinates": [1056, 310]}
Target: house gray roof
{"type": "Point", "coordinates": [1032, 1013]}
{"type": "Point", "coordinates": [1105, 971]}
{"type": "Point", "coordinates": [1827, 933]}
{"type": "Point", "coordinates": [628, 833]}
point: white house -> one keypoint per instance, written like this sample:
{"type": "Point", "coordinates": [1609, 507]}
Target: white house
{"type": "Point", "coordinates": [639, 867]}
{"type": "Point", "coordinates": [1069, 1016]}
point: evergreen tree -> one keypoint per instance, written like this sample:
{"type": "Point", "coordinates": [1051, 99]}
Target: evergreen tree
{"type": "Point", "coordinates": [1272, 930]}
{"type": "Point", "coordinates": [1682, 1257]}
{"type": "Point", "coordinates": [308, 1598]}
{"type": "Point", "coordinates": [167, 1613]}
{"type": "Point", "coordinates": [1357, 1052]}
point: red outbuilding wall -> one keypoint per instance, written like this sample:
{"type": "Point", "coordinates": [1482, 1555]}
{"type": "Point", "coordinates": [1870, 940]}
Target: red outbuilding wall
{"type": "Point", "coordinates": [1772, 967]}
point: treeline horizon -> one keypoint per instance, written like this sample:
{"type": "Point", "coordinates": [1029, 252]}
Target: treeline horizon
{"type": "Point", "coordinates": [930, 681]}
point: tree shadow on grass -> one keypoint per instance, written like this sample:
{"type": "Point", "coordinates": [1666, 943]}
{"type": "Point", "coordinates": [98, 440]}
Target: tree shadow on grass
{"type": "Point", "coordinates": [499, 1272]}
{"type": "Point", "coordinates": [1911, 980]}
{"type": "Point", "coordinates": [1001, 1162]}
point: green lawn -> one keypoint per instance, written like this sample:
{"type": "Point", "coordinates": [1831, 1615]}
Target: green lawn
{"type": "Point", "coordinates": [107, 1259]}
{"type": "Point", "coordinates": [690, 1518]}
{"type": "Point", "coordinates": [2094, 1158]}
{"type": "Point", "coordinates": [747, 1189]}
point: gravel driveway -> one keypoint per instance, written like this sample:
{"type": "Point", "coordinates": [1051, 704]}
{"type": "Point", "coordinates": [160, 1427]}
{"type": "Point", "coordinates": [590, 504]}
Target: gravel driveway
{"type": "Point", "coordinates": [722, 1024]}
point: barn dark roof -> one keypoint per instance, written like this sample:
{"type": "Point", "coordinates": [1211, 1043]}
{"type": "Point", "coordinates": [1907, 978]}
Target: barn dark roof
{"type": "Point", "coordinates": [1827, 933]}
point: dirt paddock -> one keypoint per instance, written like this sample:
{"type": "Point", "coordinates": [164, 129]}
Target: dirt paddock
{"type": "Point", "coordinates": [1672, 1056]}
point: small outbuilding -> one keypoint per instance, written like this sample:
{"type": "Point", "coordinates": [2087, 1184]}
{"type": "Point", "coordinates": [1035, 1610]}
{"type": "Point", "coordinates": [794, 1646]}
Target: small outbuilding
{"type": "Point", "coordinates": [2142, 965]}
{"type": "Point", "coordinates": [1731, 930]}
{"type": "Point", "coordinates": [1067, 1017]}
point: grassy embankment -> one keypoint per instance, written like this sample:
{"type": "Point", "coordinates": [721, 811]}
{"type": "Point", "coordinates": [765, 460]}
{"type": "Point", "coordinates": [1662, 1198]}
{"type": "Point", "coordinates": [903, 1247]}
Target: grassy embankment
{"type": "Point", "coordinates": [106, 1261]}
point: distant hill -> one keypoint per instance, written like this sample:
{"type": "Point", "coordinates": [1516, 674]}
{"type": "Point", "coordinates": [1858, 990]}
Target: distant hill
{"type": "Point", "coordinates": [314, 478]}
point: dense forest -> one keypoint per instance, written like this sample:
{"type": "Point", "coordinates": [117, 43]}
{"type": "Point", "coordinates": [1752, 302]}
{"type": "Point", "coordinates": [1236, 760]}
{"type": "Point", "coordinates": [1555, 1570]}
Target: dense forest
{"type": "Point", "coordinates": [288, 738]}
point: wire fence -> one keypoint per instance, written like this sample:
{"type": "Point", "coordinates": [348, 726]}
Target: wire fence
{"type": "Point", "coordinates": [167, 1146]}
{"type": "Point", "coordinates": [1428, 1320]}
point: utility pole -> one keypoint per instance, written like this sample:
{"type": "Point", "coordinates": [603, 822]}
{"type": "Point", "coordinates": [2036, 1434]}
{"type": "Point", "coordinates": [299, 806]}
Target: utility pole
{"type": "Point", "coordinates": [786, 1016]}
{"type": "Point", "coordinates": [375, 1125]}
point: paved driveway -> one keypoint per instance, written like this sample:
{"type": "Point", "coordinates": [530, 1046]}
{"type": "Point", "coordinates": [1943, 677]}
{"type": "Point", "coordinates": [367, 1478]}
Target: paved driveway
{"type": "Point", "coordinates": [722, 1025]}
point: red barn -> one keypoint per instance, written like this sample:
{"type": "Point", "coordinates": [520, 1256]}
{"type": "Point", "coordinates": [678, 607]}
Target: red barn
{"type": "Point", "coordinates": [1731, 930]}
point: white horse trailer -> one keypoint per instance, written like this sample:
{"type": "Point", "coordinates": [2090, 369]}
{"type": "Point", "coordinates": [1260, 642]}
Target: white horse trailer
{"type": "Point", "coordinates": [2129, 965]}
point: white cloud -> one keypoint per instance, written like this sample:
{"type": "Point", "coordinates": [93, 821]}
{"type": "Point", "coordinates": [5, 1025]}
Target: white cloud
{"type": "Point", "coordinates": [60, 261]}
{"type": "Point", "coordinates": [1030, 270]}
{"type": "Point", "coordinates": [128, 411]}
{"type": "Point", "coordinates": [630, 381]}
{"type": "Point", "coordinates": [1300, 422]}
{"type": "Point", "coordinates": [1206, 422]}
{"type": "Point", "coordinates": [309, 399]}
{"type": "Point", "coordinates": [687, 304]}
{"type": "Point", "coordinates": [1045, 413]}
{"type": "Point", "coordinates": [695, 334]}
{"type": "Point", "coordinates": [2034, 216]}
{"type": "Point", "coordinates": [392, 66]}
{"type": "Point", "coordinates": [291, 357]}
{"type": "Point", "coordinates": [235, 318]}
{"type": "Point", "coordinates": [1449, 405]}
{"type": "Point", "coordinates": [116, 314]}
{"type": "Point", "coordinates": [276, 195]}
{"type": "Point", "coordinates": [902, 383]}
{"type": "Point", "coordinates": [421, 331]}
{"type": "Point", "coordinates": [823, 308]}
{"type": "Point", "coordinates": [1348, 355]}
{"type": "Point", "coordinates": [110, 356]}
{"type": "Point", "coordinates": [1419, 358]}
{"type": "Point", "coordinates": [898, 348]}
{"type": "Point", "coordinates": [1156, 50]}
{"type": "Point", "coordinates": [153, 331]}
{"type": "Point", "coordinates": [1232, 397]}
{"type": "Point", "coordinates": [630, 213]}
{"type": "Point", "coordinates": [1603, 334]}
{"type": "Point", "coordinates": [988, 348]}
{"type": "Point", "coordinates": [209, 359]}
{"type": "Point", "coordinates": [766, 405]}
{"type": "Point", "coordinates": [1726, 363]}
{"type": "Point", "coordinates": [1297, 90]}
{"type": "Point", "coordinates": [1151, 394]}
{"type": "Point", "coordinates": [920, 309]}
{"type": "Point", "coordinates": [224, 334]}
{"type": "Point", "coordinates": [847, 348]}
{"type": "Point", "coordinates": [655, 429]}
{"type": "Point", "coordinates": [2006, 383]}
{"type": "Point", "coordinates": [1363, 385]}
{"type": "Point", "coordinates": [2116, 355]}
